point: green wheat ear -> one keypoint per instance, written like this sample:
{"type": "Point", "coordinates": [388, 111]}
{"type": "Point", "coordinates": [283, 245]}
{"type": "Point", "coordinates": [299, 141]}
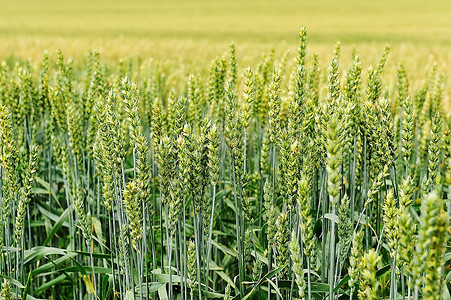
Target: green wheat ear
{"type": "Point", "coordinates": [432, 238]}
{"type": "Point", "coordinates": [282, 240]}
{"type": "Point", "coordinates": [6, 290]}
{"type": "Point", "coordinates": [192, 265]}
{"type": "Point", "coordinates": [345, 227]}
{"type": "Point", "coordinates": [355, 258]}
{"type": "Point", "coordinates": [9, 161]}
{"type": "Point", "coordinates": [369, 285]}
{"type": "Point", "coordinates": [306, 221]}
{"type": "Point", "coordinates": [25, 194]}
{"type": "Point", "coordinates": [298, 269]}
{"type": "Point", "coordinates": [391, 224]}
{"type": "Point", "coordinates": [248, 97]}
{"type": "Point", "coordinates": [274, 107]}
{"type": "Point", "coordinates": [435, 150]}
{"type": "Point", "coordinates": [134, 212]}
{"type": "Point", "coordinates": [270, 213]}
{"type": "Point", "coordinates": [218, 180]}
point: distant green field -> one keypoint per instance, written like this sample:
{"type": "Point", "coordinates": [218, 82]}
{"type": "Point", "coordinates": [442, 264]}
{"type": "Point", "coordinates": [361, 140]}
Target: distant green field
{"type": "Point", "coordinates": [197, 29]}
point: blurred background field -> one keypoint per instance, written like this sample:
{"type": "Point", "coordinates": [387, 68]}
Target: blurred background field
{"type": "Point", "coordinates": [196, 31]}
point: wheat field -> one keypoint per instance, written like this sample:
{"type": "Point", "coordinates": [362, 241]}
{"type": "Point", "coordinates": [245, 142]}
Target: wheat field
{"type": "Point", "coordinates": [143, 155]}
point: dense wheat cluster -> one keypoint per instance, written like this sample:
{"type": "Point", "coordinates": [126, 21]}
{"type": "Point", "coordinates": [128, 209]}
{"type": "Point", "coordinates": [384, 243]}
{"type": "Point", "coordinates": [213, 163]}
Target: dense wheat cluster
{"type": "Point", "coordinates": [285, 180]}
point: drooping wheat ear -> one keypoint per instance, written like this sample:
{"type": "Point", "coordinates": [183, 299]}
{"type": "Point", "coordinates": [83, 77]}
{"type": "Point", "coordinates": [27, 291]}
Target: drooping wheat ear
{"type": "Point", "coordinates": [25, 193]}
{"type": "Point", "coordinates": [432, 238]}
{"type": "Point", "coordinates": [298, 269]}
{"type": "Point", "coordinates": [369, 285]}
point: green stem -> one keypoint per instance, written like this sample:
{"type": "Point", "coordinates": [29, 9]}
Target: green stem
{"type": "Point", "coordinates": [332, 255]}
